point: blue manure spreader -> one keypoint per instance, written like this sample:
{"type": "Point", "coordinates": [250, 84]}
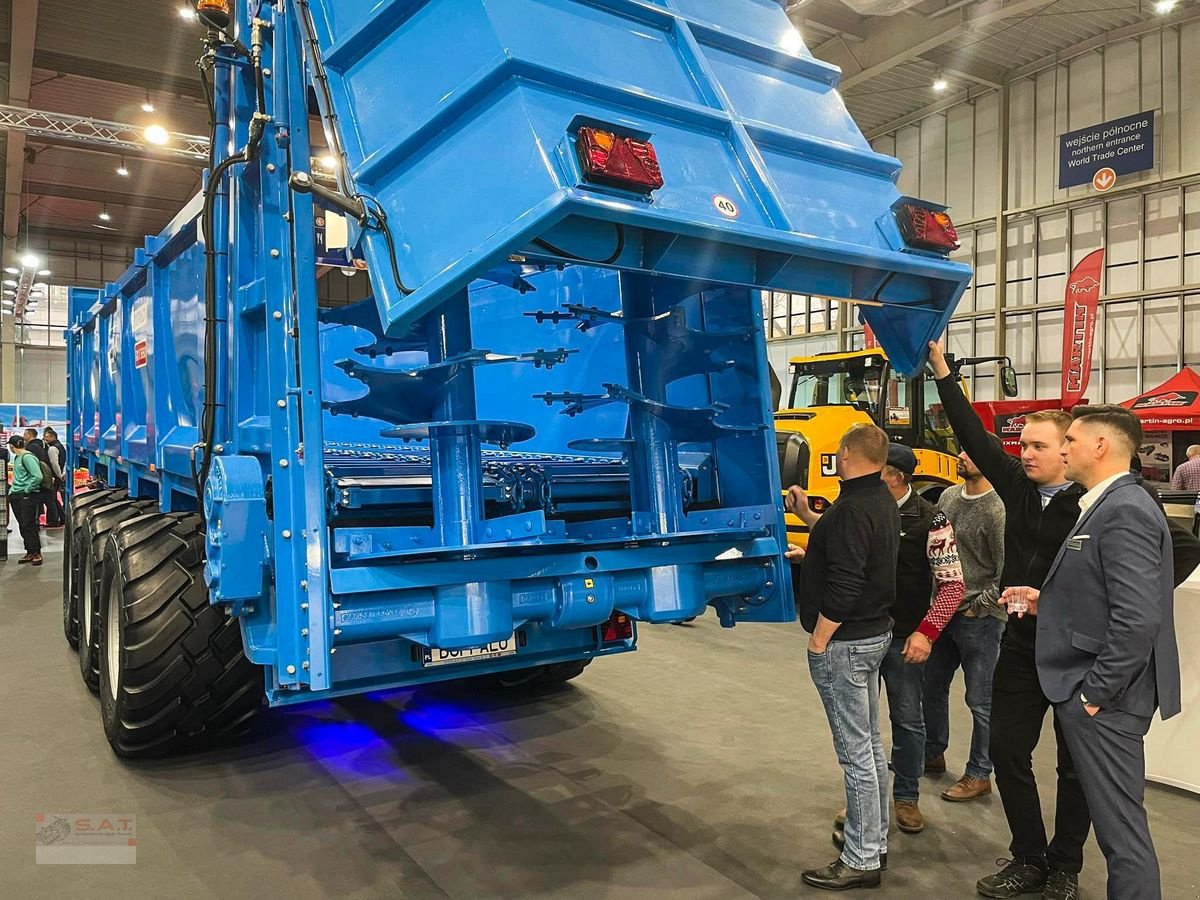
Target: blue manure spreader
{"type": "Point", "coordinates": [548, 419]}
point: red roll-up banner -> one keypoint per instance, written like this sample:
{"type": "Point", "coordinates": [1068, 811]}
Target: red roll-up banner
{"type": "Point", "coordinates": [1079, 326]}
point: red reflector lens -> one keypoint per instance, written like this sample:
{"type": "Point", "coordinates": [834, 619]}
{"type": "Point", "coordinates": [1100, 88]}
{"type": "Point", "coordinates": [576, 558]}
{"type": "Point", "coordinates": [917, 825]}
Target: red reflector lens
{"type": "Point", "coordinates": [818, 503]}
{"type": "Point", "coordinates": [618, 628]}
{"type": "Point", "coordinates": [614, 159]}
{"type": "Point", "coordinates": [927, 229]}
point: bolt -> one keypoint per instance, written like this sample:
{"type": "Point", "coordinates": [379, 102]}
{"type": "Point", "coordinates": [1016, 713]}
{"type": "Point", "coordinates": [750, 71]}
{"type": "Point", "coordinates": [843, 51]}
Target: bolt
{"type": "Point", "coordinates": [287, 217]}
{"type": "Point", "coordinates": [274, 253]}
{"type": "Point", "coordinates": [270, 167]}
{"type": "Point", "coordinates": [337, 606]}
{"type": "Point", "coordinates": [283, 464]}
{"type": "Point", "coordinates": [291, 670]}
{"type": "Point", "coordinates": [332, 650]}
{"type": "Point", "coordinates": [303, 632]}
{"type": "Point", "coordinates": [277, 315]}
{"type": "Point", "coordinates": [220, 448]}
{"type": "Point", "coordinates": [249, 609]}
{"type": "Point", "coordinates": [286, 534]}
{"type": "Point", "coordinates": [336, 632]}
{"type": "Point", "coordinates": [303, 606]}
{"type": "Point", "coordinates": [591, 598]}
{"type": "Point", "coordinates": [282, 404]}
{"type": "Point", "coordinates": [304, 587]}
{"type": "Point", "coordinates": [305, 664]}
{"type": "Point", "coordinates": [769, 585]}
{"type": "Point", "coordinates": [266, 73]}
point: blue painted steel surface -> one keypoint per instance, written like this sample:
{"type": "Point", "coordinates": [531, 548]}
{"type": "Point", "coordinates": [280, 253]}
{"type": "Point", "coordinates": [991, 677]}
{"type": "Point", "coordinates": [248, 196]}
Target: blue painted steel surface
{"type": "Point", "coordinates": [526, 445]}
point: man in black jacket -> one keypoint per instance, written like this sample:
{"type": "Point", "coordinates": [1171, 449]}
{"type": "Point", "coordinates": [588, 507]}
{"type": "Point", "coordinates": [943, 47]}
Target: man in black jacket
{"type": "Point", "coordinates": [847, 585]}
{"type": "Point", "coordinates": [1041, 507]}
{"type": "Point", "coordinates": [56, 456]}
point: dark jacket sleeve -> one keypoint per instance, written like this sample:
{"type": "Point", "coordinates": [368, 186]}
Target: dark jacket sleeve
{"type": "Point", "coordinates": [846, 570]}
{"type": "Point", "coordinates": [1003, 470]}
{"type": "Point", "coordinates": [1186, 548]}
{"type": "Point", "coordinates": [1130, 547]}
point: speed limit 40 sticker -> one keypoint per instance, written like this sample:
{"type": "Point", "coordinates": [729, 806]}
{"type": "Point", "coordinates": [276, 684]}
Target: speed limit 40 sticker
{"type": "Point", "coordinates": [725, 206]}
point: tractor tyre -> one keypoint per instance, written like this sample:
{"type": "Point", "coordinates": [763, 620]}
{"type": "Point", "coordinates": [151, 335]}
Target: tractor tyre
{"type": "Point", "coordinates": [98, 520]}
{"type": "Point", "coordinates": [75, 513]}
{"type": "Point", "coordinates": [173, 675]}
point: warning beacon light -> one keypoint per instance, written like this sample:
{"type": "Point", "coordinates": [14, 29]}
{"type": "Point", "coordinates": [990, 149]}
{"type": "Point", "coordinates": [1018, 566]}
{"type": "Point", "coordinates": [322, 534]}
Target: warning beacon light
{"type": "Point", "coordinates": [618, 160]}
{"type": "Point", "coordinates": [926, 227]}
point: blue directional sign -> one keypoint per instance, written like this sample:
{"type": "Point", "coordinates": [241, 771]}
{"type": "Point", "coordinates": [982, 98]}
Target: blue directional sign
{"type": "Point", "coordinates": [1124, 145]}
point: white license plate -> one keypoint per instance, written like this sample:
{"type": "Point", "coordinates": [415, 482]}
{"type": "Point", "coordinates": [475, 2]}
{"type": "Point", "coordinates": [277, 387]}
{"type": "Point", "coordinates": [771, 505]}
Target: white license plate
{"type": "Point", "coordinates": [435, 656]}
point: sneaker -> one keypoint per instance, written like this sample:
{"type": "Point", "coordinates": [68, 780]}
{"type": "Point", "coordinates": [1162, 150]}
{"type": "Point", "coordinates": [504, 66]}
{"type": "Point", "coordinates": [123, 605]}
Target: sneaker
{"type": "Point", "coordinates": [36, 559]}
{"type": "Point", "coordinates": [967, 788]}
{"type": "Point", "coordinates": [908, 817]}
{"type": "Point", "coordinates": [1014, 879]}
{"type": "Point", "coordinates": [936, 765]}
{"type": "Point", "coordinates": [1061, 886]}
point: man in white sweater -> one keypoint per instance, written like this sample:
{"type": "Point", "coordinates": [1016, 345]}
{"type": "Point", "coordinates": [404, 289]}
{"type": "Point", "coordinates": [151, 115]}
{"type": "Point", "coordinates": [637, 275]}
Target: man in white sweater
{"type": "Point", "coordinates": [971, 639]}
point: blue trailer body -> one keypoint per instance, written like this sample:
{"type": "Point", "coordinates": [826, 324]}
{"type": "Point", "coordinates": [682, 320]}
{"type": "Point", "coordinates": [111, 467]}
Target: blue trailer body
{"type": "Point", "coordinates": [510, 445]}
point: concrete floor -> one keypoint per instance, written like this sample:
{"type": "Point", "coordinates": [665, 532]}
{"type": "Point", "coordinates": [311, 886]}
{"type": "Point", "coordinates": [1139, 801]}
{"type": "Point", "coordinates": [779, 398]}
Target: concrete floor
{"type": "Point", "coordinates": [699, 767]}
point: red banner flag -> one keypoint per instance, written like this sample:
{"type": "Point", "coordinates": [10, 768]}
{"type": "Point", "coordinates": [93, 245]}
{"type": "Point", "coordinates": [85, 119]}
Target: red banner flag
{"type": "Point", "coordinates": [1079, 326]}
{"type": "Point", "coordinates": [869, 340]}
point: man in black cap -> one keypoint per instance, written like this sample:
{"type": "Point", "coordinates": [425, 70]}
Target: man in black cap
{"type": "Point", "coordinates": [929, 589]}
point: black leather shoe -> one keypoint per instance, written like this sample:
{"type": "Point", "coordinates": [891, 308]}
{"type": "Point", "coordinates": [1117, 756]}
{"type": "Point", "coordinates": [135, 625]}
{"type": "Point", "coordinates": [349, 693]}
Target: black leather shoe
{"type": "Point", "coordinates": [839, 841]}
{"type": "Point", "coordinates": [1061, 886]}
{"type": "Point", "coordinates": [837, 876]}
{"type": "Point", "coordinates": [1013, 880]}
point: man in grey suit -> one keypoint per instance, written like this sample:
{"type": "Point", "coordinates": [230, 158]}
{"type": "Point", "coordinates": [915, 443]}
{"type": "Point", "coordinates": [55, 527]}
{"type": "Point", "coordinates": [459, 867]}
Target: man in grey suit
{"type": "Point", "coordinates": [1106, 651]}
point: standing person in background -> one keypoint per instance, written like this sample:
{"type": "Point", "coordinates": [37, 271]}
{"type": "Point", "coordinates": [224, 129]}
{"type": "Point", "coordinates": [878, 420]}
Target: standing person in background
{"type": "Point", "coordinates": [57, 457]}
{"type": "Point", "coordinates": [847, 585]}
{"type": "Point", "coordinates": [37, 449]}
{"type": "Point", "coordinates": [1106, 651]}
{"type": "Point", "coordinates": [24, 496]}
{"type": "Point", "coordinates": [1187, 473]}
{"type": "Point", "coordinates": [972, 638]}
{"type": "Point", "coordinates": [1040, 509]}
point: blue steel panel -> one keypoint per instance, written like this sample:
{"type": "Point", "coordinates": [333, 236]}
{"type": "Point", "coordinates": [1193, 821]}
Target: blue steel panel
{"type": "Point", "coordinates": [734, 104]}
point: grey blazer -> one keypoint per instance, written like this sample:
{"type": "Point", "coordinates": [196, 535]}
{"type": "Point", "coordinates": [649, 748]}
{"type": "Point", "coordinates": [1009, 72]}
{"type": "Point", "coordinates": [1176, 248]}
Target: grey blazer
{"type": "Point", "coordinates": [1105, 623]}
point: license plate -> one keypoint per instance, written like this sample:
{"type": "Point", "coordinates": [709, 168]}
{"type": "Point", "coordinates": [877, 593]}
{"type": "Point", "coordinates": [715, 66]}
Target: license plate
{"type": "Point", "coordinates": [435, 656]}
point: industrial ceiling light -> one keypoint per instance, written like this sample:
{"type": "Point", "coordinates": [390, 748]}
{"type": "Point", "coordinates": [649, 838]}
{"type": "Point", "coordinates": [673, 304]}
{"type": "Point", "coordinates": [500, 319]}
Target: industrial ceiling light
{"type": "Point", "coordinates": [940, 83]}
{"type": "Point", "coordinates": [30, 261]}
{"type": "Point", "coordinates": [12, 270]}
{"type": "Point", "coordinates": [156, 134]}
{"type": "Point", "coordinates": [1162, 7]}
{"type": "Point", "coordinates": [121, 170]}
{"type": "Point", "coordinates": [43, 272]}
{"type": "Point", "coordinates": [10, 282]}
{"type": "Point", "coordinates": [104, 216]}
{"type": "Point", "coordinates": [147, 107]}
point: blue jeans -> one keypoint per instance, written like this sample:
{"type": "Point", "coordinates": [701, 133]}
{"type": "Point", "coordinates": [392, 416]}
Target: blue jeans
{"type": "Point", "coordinates": [974, 644]}
{"type": "Point", "coordinates": [903, 683]}
{"type": "Point", "coordinates": [847, 679]}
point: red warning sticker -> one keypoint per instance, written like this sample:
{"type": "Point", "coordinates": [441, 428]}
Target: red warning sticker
{"type": "Point", "coordinates": [141, 355]}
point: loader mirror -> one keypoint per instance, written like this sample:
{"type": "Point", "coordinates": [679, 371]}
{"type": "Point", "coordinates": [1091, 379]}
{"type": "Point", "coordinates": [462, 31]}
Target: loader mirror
{"type": "Point", "coordinates": [1008, 381]}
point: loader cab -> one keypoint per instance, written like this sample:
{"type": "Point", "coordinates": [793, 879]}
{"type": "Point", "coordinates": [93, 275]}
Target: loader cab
{"type": "Point", "coordinates": [865, 382]}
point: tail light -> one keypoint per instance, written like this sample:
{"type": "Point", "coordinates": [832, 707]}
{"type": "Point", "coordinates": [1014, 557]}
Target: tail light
{"type": "Point", "coordinates": [619, 627]}
{"type": "Point", "coordinates": [818, 504]}
{"type": "Point", "coordinates": [927, 228]}
{"type": "Point", "coordinates": [618, 160]}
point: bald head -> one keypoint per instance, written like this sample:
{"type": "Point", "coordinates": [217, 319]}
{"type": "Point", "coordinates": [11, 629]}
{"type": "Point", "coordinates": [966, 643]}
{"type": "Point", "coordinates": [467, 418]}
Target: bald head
{"type": "Point", "coordinates": [1193, 451]}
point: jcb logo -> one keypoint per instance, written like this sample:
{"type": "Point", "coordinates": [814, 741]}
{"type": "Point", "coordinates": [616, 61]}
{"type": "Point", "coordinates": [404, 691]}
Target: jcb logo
{"type": "Point", "coordinates": [829, 465]}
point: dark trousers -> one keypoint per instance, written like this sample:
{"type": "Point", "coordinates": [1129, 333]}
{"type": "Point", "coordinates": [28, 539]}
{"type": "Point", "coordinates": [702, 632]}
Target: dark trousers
{"type": "Point", "coordinates": [25, 510]}
{"type": "Point", "coordinates": [54, 507]}
{"type": "Point", "coordinates": [1112, 767]}
{"type": "Point", "coordinates": [904, 686]}
{"type": "Point", "coordinates": [1018, 711]}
